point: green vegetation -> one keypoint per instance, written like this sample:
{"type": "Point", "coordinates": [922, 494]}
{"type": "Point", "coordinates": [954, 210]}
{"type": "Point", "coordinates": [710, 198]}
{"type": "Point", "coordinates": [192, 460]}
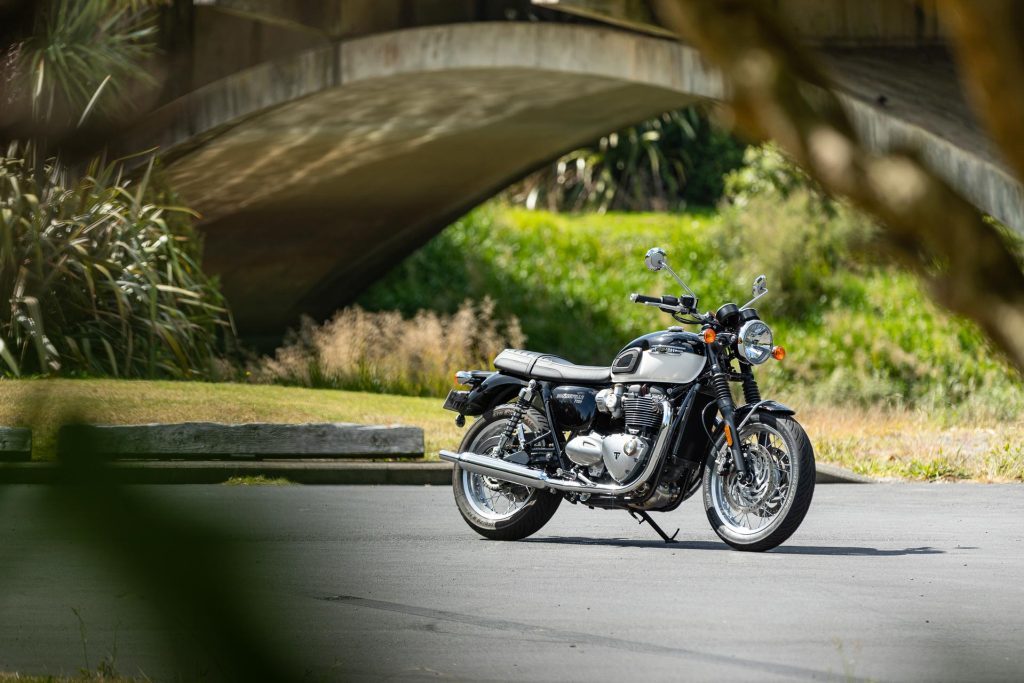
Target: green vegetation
{"type": "Point", "coordinates": [85, 55]}
{"type": "Point", "coordinates": [669, 162]}
{"type": "Point", "coordinates": [103, 278]}
{"type": "Point", "coordinates": [858, 331]}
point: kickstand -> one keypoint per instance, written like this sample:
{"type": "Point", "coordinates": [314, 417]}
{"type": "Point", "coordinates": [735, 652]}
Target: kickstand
{"type": "Point", "coordinates": [644, 517]}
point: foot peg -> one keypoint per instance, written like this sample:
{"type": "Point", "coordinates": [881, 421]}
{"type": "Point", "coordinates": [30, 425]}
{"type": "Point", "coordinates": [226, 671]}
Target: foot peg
{"type": "Point", "coordinates": [642, 516]}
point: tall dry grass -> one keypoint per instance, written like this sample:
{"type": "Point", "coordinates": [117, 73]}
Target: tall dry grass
{"type": "Point", "coordinates": [384, 352]}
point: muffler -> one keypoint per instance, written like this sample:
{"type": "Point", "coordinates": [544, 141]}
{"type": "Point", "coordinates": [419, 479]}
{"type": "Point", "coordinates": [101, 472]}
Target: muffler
{"type": "Point", "coordinates": [527, 476]}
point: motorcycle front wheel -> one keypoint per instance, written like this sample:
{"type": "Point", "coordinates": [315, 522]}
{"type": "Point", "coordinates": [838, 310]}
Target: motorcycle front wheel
{"type": "Point", "coordinates": [765, 512]}
{"type": "Point", "coordinates": [498, 509]}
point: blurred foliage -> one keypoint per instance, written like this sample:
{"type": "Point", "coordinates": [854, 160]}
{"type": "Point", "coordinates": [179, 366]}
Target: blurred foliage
{"type": "Point", "coordinates": [87, 52]}
{"type": "Point", "coordinates": [775, 220]}
{"type": "Point", "coordinates": [765, 171]}
{"type": "Point", "coordinates": [674, 160]}
{"type": "Point", "coordinates": [858, 330]}
{"type": "Point", "coordinates": [102, 277]}
{"type": "Point", "coordinates": [74, 64]}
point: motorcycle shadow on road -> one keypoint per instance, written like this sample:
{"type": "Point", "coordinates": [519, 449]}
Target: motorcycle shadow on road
{"type": "Point", "coordinates": [711, 545]}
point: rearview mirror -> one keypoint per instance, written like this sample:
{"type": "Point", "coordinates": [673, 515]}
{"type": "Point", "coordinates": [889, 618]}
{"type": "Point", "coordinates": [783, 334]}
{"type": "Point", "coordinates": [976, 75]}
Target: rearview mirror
{"type": "Point", "coordinates": [655, 259]}
{"type": "Point", "coordinates": [759, 289]}
{"type": "Point", "coordinates": [760, 286]}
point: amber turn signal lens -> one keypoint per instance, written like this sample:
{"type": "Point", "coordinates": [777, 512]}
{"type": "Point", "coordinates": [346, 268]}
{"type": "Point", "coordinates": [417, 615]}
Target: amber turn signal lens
{"type": "Point", "coordinates": [778, 353]}
{"type": "Point", "coordinates": [709, 335]}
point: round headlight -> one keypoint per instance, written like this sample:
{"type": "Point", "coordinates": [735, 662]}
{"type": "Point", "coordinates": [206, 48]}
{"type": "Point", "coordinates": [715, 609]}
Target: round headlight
{"type": "Point", "coordinates": [755, 342]}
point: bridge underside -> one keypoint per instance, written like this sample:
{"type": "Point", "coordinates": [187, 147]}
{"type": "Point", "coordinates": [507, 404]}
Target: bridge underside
{"type": "Point", "coordinates": [320, 197]}
{"type": "Point", "coordinates": [316, 174]}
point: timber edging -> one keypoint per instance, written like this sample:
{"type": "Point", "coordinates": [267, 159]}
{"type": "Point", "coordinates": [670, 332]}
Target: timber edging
{"type": "Point", "coordinates": [257, 440]}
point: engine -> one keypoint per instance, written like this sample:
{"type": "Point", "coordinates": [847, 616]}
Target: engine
{"type": "Point", "coordinates": [621, 453]}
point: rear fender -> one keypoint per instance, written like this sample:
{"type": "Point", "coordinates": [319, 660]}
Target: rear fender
{"type": "Point", "coordinates": [493, 391]}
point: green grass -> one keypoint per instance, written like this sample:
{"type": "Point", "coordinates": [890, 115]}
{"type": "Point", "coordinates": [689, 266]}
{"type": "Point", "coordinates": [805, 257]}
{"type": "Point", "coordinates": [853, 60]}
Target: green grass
{"type": "Point", "coordinates": [900, 444]}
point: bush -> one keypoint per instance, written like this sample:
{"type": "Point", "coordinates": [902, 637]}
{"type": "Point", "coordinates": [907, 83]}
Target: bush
{"type": "Point", "coordinates": [102, 277]}
{"type": "Point", "coordinates": [385, 352]}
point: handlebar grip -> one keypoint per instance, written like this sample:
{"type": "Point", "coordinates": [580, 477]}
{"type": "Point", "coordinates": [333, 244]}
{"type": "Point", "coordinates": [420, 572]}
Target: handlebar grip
{"type": "Point", "coordinates": [656, 300]}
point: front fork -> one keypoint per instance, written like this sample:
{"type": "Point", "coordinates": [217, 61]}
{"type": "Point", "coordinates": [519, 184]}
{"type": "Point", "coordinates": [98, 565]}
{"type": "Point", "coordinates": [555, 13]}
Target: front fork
{"type": "Point", "coordinates": [726, 406]}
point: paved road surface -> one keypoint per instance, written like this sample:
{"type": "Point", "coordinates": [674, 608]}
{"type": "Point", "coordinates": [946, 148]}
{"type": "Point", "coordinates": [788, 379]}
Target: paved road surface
{"type": "Point", "coordinates": [884, 582]}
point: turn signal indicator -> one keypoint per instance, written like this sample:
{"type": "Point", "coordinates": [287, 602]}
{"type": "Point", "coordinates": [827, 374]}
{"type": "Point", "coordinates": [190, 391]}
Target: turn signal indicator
{"type": "Point", "coordinates": [709, 335]}
{"type": "Point", "coordinates": [778, 353]}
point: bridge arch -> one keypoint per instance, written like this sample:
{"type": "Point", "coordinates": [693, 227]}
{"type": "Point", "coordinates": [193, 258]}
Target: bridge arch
{"type": "Point", "coordinates": [315, 174]}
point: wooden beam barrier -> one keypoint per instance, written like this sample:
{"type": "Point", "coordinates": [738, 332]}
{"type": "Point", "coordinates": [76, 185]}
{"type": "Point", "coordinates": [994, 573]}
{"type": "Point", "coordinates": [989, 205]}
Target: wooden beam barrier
{"type": "Point", "coordinates": [254, 441]}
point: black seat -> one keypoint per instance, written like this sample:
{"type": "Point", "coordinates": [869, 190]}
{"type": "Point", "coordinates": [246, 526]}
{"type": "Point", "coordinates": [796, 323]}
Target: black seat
{"type": "Point", "coordinates": [534, 365]}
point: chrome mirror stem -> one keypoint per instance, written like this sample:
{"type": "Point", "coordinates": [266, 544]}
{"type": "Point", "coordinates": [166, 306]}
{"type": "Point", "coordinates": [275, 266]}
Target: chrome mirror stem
{"type": "Point", "coordinates": [679, 280]}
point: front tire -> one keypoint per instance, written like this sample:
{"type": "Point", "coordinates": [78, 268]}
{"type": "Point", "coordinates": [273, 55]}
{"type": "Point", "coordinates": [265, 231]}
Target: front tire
{"type": "Point", "coordinates": [762, 515]}
{"type": "Point", "coordinates": [495, 509]}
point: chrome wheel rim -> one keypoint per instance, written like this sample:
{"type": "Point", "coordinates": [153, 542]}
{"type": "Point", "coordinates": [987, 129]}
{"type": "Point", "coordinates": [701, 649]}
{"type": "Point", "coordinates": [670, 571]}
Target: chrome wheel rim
{"type": "Point", "coordinates": [491, 498]}
{"type": "Point", "coordinates": [759, 507]}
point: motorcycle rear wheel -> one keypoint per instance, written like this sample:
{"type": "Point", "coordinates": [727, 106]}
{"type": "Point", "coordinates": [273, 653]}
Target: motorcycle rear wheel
{"type": "Point", "coordinates": [762, 515]}
{"type": "Point", "coordinates": [495, 509]}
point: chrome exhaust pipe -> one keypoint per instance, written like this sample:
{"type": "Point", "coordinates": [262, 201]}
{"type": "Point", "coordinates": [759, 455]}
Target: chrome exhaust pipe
{"type": "Point", "coordinates": [538, 479]}
{"type": "Point", "coordinates": [500, 469]}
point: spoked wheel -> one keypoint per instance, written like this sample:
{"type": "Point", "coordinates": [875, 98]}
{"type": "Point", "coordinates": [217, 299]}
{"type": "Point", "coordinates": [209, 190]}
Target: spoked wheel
{"type": "Point", "coordinates": [494, 508]}
{"type": "Point", "coordinates": [764, 512]}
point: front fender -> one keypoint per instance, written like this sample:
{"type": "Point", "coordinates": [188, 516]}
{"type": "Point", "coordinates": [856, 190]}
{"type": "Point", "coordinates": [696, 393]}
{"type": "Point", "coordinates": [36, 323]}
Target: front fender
{"type": "Point", "coordinates": [773, 407]}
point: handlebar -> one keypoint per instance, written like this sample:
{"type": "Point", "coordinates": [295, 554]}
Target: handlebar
{"type": "Point", "coordinates": [665, 300]}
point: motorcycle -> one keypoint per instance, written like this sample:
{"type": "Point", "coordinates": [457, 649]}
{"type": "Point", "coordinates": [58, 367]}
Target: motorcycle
{"type": "Point", "coordinates": [642, 435]}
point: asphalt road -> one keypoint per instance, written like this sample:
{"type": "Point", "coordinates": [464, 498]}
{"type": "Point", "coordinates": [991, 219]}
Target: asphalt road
{"type": "Point", "coordinates": [882, 582]}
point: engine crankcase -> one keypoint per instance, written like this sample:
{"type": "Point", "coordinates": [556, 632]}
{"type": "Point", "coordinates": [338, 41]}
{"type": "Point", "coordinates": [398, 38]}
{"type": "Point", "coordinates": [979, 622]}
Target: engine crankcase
{"type": "Point", "coordinates": [620, 453]}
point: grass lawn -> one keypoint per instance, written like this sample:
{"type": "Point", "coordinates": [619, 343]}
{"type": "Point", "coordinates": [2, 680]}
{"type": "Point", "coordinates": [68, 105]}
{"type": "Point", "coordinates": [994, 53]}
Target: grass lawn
{"type": "Point", "coordinates": [897, 444]}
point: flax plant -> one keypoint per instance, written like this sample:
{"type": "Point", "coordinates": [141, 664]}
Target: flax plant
{"type": "Point", "coordinates": [101, 277]}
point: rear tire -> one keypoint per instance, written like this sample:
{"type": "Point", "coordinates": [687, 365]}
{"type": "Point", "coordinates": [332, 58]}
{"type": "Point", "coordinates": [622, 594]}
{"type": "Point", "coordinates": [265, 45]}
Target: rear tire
{"type": "Point", "coordinates": [529, 509]}
{"type": "Point", "coordinates": [737, 513]}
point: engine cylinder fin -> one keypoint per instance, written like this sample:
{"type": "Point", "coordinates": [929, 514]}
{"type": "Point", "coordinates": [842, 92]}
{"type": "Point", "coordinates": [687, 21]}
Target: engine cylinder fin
{"type": "Point", "coordinates": [641, 412]}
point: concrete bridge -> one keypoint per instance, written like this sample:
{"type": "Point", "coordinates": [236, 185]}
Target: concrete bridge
{"type": "Point", "coordinates": [323, 142]}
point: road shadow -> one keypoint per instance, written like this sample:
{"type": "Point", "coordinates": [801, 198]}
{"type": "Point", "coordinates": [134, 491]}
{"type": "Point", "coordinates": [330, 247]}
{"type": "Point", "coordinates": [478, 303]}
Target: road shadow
{"type": "Point", "coordinates": [711, 545]}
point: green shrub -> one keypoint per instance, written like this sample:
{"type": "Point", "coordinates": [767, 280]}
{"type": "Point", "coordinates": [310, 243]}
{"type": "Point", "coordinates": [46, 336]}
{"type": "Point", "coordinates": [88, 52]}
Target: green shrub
{"type": "Point", "coordinates": [102, 278]}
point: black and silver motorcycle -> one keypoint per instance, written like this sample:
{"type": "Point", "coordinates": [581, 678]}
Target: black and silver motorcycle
{"type": "Point", "coordinates": [642, 435]}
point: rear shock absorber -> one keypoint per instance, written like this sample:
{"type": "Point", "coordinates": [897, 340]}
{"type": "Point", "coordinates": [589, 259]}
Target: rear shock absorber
{"type": "Point", "coordinates": [518, 411]}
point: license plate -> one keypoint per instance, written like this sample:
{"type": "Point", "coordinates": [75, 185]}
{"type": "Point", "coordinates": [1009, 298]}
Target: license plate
{"type": "Point", "coordinates": [456, 400]}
